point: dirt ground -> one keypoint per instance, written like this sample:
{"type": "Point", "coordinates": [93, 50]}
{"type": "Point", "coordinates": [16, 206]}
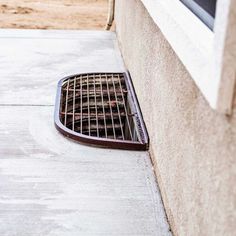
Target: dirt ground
{"type": "Point", "coordinates": [53, 14]}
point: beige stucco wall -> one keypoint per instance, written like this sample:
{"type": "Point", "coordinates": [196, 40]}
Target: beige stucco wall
{"type": "Point", "coordinates": [193, 147]}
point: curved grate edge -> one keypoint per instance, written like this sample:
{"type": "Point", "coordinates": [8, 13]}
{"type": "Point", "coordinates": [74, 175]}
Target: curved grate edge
{"type": "Point", "coordinates": [100, 109]}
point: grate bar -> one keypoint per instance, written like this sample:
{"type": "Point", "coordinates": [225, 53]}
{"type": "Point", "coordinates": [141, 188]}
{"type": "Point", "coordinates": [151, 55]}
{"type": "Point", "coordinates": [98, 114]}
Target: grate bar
{"type": "Point", "coordinates": [118, 108]}
{"type": "Point", "coordinates": [85, 115]}
{"type": "Point", "coordinates": [103, 107]}
{"type": "Point", "coordinates": [81, 104]}
{"type": "Point", "coordinates": [92, 104]}
{"type": "Point", "coordinates": [109, 100]}
{"type": "Point", "coordinates": [73, 124]}
{"type": "Point", "coordinates": [88, 104]}
{"type": "Point", "coordinates": [66, 105]}
{"type": "Point", "coordinates": [91, 91]}
{"type": "Point", "coordinates": [96, 108]}
{"type": "Point", "coordinates": [97, 80]}
{"type": "Point", "coordinates": [93, 128]}
{"type": "Point", "coordinates": [126, 113]}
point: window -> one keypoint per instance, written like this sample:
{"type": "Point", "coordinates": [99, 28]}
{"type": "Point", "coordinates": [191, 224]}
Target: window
{"type": "Point", "coordinates": [204, 9]}
{"type": "Point", "coordinates": [208, 55]}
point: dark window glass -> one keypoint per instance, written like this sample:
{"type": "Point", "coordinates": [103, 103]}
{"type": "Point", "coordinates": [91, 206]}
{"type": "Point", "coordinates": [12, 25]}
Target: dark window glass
{"type": "Point", "coordinates": [204, 9]}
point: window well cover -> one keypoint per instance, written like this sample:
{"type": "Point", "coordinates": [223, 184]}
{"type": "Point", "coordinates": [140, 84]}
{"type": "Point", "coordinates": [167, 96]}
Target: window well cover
{"type": "Point", "coordinates": [100, 109]}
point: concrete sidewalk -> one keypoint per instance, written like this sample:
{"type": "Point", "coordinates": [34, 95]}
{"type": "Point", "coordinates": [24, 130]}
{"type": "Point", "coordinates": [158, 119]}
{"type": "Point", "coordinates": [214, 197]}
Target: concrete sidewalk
{"type": "Point", "coordinates": [52, 186]}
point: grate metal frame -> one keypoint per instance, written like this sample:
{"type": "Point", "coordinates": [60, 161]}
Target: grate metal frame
{"type": "Point", "coordinates": [126, 105]}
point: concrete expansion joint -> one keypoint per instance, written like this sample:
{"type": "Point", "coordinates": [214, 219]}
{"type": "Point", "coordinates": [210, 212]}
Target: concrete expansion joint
{"type": "Point", "coordinates": [25, 105]}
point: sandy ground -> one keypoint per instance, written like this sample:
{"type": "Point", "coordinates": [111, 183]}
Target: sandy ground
{"type": "Point", "coordinates": [53, 14]}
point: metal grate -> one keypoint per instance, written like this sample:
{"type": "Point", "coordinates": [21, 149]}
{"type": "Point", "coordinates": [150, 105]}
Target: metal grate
{"type": "Point", "coordinates": [100, 109]}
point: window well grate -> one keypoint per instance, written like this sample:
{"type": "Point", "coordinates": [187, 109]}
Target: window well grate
{"type": "Point", "coordinates": [100, 109]}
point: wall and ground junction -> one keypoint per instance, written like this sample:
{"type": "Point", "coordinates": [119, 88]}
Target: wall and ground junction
{"type": "Point", "coordinates": [193, 147]}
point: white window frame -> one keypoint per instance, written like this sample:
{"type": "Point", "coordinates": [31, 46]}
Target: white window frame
{"type": "Point", "coordinates": [209, 57]}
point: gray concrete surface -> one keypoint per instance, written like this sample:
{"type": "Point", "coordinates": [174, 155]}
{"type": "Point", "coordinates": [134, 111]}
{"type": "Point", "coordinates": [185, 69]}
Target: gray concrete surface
{"type": "Point", "coordinates": [49, 185]}
{"type": "Point", "coordinates": [193, 147]}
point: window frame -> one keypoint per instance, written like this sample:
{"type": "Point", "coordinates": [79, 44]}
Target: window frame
{"type": "Point", "coordinates": [207, 55]}
{"type": "Point", "coordinates": [205, 16]}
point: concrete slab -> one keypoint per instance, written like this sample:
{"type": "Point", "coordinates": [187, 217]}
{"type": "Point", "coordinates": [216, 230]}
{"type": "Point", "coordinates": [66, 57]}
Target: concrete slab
{"type": "Point", "coordinates": [31, 62]}
{"type": "Point", "coordinates": [50, 185]}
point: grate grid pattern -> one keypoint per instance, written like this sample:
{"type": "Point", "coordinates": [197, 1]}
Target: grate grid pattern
{"type": "Point", "coordinates": [100, 109]}
{"type": "Point", "coordinates": [96, 105]}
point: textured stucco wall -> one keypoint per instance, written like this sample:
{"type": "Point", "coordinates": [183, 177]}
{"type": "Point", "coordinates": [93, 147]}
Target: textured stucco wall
{"type": "Point", "coordinates": [193, 147]}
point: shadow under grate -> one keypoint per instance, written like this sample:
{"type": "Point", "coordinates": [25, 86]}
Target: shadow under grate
{"type": "Point", "coordinates": [100, 109]}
